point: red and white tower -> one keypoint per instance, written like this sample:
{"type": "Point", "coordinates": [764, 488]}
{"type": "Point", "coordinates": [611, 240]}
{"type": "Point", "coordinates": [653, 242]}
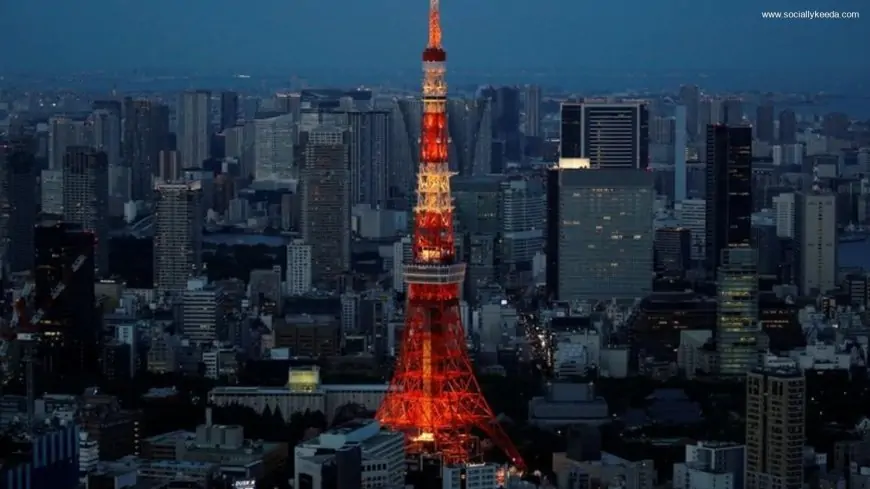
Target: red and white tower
{"type": "Point", "coordinates": [434, 397]}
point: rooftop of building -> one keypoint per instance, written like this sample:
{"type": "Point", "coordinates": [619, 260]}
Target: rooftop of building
{"type": "Point", "coordinates": [785, 372]}
{"type": "Point", "coordinates": [171, 437]}
{"type": "Point", "coordinates": [321, 389]}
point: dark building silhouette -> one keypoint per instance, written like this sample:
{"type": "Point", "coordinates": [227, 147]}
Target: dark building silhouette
{"type": "Point", "coordinates": [146, 133]}
{"type": "Point", "coordinates": [764, 116]}
{"type": "Point", "coordinates": [138, 273]}
{"type": "Point", "coordinates": [18, 203]}
{"type": "Point", "coordinates": [729, 191]}
{"type": "Point", "coordinates": [68, 349]}
{"type": "Point", "coordinates": [787, 127]}
{"type": "Point", "coordinates": [229, 109]}
{"type": "Point", "coordinates": [506, 105]}
{"type": "Point", "coordinates": [673, 250]}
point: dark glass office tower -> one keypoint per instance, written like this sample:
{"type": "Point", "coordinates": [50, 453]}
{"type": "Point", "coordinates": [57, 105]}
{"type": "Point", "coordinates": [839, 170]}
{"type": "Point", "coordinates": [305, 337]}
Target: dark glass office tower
{"type": "Point", "coordinates": [787, 127]}
{"type": "Point", "coordinates": [68, 350]}
{"type": "Point", "coordinates": [764, 115]}
{"type": "Point", "coordinates": [229, 109]}
{"type": "Point", "coordinates": [609, 135]}
{"type": "Point", "coordinates": [729, 191]}
{"type": "Point", "coordinates": [571, 137]}
{"type": "Point", "coordinates": [146, 133]}
{"type": "Point", "coordinates": [18, 203]}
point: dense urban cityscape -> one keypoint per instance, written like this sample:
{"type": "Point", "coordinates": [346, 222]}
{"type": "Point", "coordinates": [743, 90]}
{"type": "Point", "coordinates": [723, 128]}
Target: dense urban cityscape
{"type": "Point", "coordinates": [246, 282]}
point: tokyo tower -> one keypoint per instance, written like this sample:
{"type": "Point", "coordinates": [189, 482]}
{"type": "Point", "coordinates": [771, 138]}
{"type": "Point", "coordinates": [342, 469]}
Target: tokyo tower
{"type": "Point", "coordinates": [434, 397]}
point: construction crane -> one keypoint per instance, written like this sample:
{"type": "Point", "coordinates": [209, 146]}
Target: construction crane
{"type": "Point", "coordinates": [23, 329]}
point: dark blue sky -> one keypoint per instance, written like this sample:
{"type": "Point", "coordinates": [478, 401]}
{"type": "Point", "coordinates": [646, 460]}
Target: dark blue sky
{"type": "Point", "coordinates": [289, 35]}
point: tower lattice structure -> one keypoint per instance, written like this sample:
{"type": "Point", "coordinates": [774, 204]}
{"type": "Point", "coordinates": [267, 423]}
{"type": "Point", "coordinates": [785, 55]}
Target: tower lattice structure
{"type": "Point", "coordinates": [434, 397]}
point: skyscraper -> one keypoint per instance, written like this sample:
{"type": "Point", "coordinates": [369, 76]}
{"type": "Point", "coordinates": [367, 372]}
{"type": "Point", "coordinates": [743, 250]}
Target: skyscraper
{"type": "Point", "coordinates": [229, 109]}
{"type": "Point", "coordinates": [107, 134]}
{"type": "Point", "coordinates": [532, 106]}
{"type": "Point", "coordinates": [729, 191]}
{"type": "Point", "coordinates": [815, 234]}
{"type": "Point", "coordinates": [17, 204]}
{"type": "Point", "coordinates": [732, 111]}
{"type": "Point", "coordinates": [64, 132]}
{"type": "Point", "coordinates": [764, 123]}
{"type": "Point", "coordinates": [194, 128]}
{"type": "Point", "coordinates": [177, 236]}
{"type": "Point", "coordinates": [86, 197]}
{"type": "Point", "coordinates": [680, 145]}
{"type": "Point", "coordinates": [326, 202]}
{"type": "Point", "coordinates": [775, 429]}
{"type": "Point", "coordinates": [690, 97]}
{"type": "Point", "coordinates": [146, 134]}
{"type": "Point", "coordinates": [470, 124]}
{"type": "Point", "coordinates": [369, 155]}
{"type": "Point", "coordinates": [69, 348]}
{"type": "Point", "coordinates": [599, 233]}
{"type": "Point", "coordinates": [609, 135]}
{"type": "Point", "coordinates": [738, 332]}
{"type": "Point", "coordinates": [272, 147]}
{"type": "Point", "coordinates": [787, 127]}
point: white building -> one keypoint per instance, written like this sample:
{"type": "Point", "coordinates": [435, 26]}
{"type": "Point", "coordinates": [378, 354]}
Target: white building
{"type": "Point", "coordinates": [784, 212]}
{"type": "Point", "coordinates": [402, 254]}
{"type": "Point", "coordinates": [298, 268]}
{"type": "Point", "coordinates": [52, 192]}
{"type": "Point", "coordinates": [272, 144]}
{"type": "Point", "coordinates": [692, 215]}
{"type": "Point", "coordinates": [383, 454]}
{"type": "Point", "coordinates": [470, 476]}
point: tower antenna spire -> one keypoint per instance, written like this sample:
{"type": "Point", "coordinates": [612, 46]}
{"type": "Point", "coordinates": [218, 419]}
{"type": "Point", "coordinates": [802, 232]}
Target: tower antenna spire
{"type": "Point", "coordinates": [434, 25]}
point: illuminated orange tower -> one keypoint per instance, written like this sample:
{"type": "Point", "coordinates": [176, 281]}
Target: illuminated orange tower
{"type": "Point", "coordinates": [434, 397]}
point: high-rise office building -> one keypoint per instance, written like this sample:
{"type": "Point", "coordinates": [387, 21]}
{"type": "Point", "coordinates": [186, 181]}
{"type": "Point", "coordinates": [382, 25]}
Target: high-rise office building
{"type": "Point", "coordinates": [194, 128]}
{"type": "Point", "coordinates": [18, 204]}
{"type": "Point", "coordinates": [787, 127]}
{"type": "Point", "coordinates": [764, 116]}
{"type": "Point", "coordinates": [738, 338]}
{"type": "Point", "coordinates": [69, 348]}
{"type": "Point", "coordinates": [599, 234]}
{"type": "Point", "coordinates": [506, 119]}
{"type": "Point", "coordinates": [64, 132]}
{"type": "Point", "coordinates": [680, 147]}
{"type": "Point", "coordinates": [690, 97]}
{"type": "Point", "coordinates": [609, 135]}
{"type": "Point", "coordinates": [729, 191]}
{"type": "Point", "coordinates": [470, 126]}
{"type": "Point", "coordinates": [271, 147]}
{"type": "Point", "coordinates": [86, 197]}
{"type": "Point", "coordinates": [407, 116]}
{"type": "Point", "coordinates": [107, 134]}
{"type": "Point", "coordinates": [326, 202]}
{"type": "Point", "coordinates": [532, 107]}
{"type": "Point", "coordinates": [369, 156]}
{"type": "Point", "coordinates": [146, 134]}
{"type": "Point", "coordinates": [522, 205]}
{"type": "Point", "coordinates": [815, 234]}
{"type": "Point", "coordinates": [775, 429]}
{"type": "Point", "coordinates": [177, 236]}
{"type": "Point", "coordinates": [229, 109]}
{"type": "Point", "coordinates": [732, 111]}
